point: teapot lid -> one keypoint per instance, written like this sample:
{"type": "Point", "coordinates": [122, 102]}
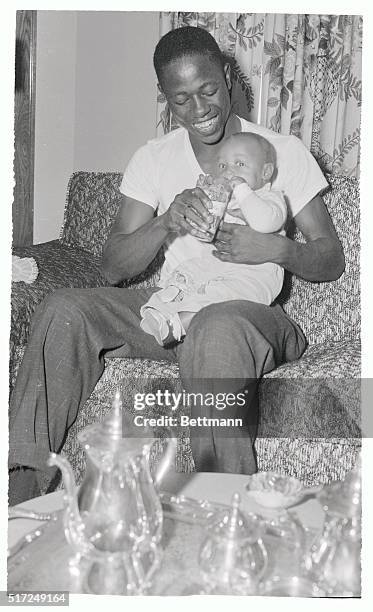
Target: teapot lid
{"type": "Point", "coordinates": [234, 525]}
{"type": "Point", "coordinates": [108, 435]}
{"type": "Point", "coordinates": [343, 498]}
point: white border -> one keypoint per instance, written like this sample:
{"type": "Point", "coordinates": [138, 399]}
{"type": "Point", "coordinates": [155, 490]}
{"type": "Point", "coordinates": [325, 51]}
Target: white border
{"type": "Point", "coordinates": [7, 25]}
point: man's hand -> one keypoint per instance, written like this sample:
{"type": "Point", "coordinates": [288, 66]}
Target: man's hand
{"type": "Point", "coordinates": [242, 244]}
{"type": "Point", "coordinates": [320, 259]}
{"type": "Point", "coordinates": [189, 213]}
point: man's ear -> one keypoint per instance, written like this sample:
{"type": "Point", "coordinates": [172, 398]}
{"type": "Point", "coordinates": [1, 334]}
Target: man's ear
{"type": "Point", "coordinates": [268, 170]}
{"type": "Point", "coordinates": [227, 75]}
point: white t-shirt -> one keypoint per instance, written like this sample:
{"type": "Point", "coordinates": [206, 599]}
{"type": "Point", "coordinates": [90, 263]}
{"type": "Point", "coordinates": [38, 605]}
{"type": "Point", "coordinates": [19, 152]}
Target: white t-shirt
{"type": "Point", "coordinates": [165, 166]}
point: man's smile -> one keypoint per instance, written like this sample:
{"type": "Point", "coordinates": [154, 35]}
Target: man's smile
{"type": "Point", "coordinates": [206, 126]}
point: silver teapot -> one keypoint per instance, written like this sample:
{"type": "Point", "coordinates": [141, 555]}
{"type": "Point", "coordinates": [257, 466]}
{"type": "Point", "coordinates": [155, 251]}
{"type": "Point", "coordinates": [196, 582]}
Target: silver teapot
{"type": "Point", "coordinates": [115, 518]}
{"type": "Point", "coordinates": [334, 560]}
{"type": "Point", "coordinates": [233, 557]}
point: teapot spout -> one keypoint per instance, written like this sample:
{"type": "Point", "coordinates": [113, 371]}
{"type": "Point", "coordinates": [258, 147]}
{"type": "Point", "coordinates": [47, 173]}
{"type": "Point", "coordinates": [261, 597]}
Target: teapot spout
{"type": "Point", "coordinates": [71, 497]}
{"type": "Point", "coordinates": [166, 461]}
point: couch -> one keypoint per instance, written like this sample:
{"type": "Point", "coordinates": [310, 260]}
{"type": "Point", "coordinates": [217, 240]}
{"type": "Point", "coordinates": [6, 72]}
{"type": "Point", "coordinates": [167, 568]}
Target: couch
{"type": "Point", "coordinates": [309, 423]}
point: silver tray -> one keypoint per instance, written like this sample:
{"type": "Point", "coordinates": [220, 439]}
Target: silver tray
{"type": "Point", "coordinates": [43, 560]}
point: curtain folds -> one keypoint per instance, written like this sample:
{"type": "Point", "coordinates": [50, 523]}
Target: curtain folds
{"type": "Point", "coordinates": [295, 74]}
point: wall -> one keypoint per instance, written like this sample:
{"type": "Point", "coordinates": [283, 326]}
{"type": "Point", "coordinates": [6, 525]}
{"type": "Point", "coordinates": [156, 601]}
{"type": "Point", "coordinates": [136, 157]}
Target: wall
{"type": "Point", "coordinates": [115, 87]}
{"type": "Point", "coordinates": [54, 118]}
{"type": "Point", "coordinates": [95, 104]}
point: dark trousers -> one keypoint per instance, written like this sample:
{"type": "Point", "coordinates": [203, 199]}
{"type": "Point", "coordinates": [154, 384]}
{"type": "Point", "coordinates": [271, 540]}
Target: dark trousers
{"type": "Point", "coordinates": [228, 347]}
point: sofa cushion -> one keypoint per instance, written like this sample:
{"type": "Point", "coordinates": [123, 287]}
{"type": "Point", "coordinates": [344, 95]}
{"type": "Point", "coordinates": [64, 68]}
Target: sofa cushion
{"type": "Point", "coordinates": [93, 200]}
{"type": "Point", "coordinates": [331, 311]}
{"type": "Point", "coordinates": [294, 413]}
{"type": "Point", "coordinates": [313, 460]}
{"type": "Point", "coordinates": [319, 394]}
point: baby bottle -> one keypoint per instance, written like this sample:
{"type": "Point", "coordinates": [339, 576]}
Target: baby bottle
{"type": "Point", "coordinates": [219, 190]}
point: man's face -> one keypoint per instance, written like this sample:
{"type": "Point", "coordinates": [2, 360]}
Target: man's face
{"type": "Point", "coordinates": [197, 91]}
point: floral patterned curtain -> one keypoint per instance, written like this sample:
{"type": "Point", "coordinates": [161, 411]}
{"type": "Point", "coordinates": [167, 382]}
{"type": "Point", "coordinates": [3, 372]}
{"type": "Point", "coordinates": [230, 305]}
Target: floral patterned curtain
{"type": "Point", "coordinates": [295, 74]}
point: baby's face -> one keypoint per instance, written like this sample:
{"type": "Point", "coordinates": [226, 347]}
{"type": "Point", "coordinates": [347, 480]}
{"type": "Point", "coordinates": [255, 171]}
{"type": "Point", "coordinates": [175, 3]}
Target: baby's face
{"type": "Point", "coordinates": [242, 159]}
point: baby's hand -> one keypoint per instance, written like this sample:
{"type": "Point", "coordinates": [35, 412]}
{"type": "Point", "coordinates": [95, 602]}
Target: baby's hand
{"type": "Point", "coordinates": [236, 212]}
{"type": "Point", "coordinates": [235, 181]}
{"type": "Point", "coordinates": [234, 205]}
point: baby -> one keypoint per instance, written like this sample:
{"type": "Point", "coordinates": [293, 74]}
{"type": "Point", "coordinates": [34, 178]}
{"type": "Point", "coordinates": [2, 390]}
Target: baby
{"type": "Point", "coordinates": [248, 162]}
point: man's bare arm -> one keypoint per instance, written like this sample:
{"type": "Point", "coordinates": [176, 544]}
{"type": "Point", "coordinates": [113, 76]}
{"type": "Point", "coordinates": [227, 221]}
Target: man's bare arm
{"type": "Point", "coordinates": [319, 259]}
{"type": "Point", "coordinates": [134, 241]}
{"type": "Point", "coordinates": [137, 235]}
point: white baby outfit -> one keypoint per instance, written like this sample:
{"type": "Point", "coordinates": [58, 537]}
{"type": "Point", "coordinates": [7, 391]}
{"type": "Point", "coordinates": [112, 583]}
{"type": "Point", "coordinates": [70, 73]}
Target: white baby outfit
{"type": "Point", "coordinates": [201, 281]}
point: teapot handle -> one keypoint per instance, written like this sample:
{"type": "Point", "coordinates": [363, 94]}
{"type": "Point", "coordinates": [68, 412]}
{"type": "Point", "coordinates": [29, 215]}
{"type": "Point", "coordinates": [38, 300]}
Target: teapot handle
{"type": "Point", "coordinates": [165, 462]}
{"type": "Point", "coordinates": [264, 554]}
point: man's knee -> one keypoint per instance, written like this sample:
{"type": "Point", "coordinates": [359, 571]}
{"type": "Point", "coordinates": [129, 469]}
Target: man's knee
{"type": "Point", "coordinates": [208, 319]}
{"type": "Point", "coordinates": [218, 342]}
{"type": "Point", "coordinates": [233, 339]}
{"type": "Point", "coordinates": [224, 320]}
{"type": "Point", "coordinates": [65, 304]}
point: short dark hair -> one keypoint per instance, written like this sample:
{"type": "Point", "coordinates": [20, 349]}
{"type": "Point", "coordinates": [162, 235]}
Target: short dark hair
{"type": "Point", "coordinates": [184, 41]}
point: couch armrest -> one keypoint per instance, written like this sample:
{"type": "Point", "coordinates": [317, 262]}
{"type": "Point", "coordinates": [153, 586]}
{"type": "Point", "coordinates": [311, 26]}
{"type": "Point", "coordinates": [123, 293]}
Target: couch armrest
{"type": "Point", "coordinates": [59, 266]}
{"type": "Point", "coordinates": [317, 396]}
{"type": "Point", "coordinates": [341, 359]}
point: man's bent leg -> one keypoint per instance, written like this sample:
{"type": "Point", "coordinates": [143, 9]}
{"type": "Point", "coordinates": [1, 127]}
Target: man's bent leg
{"type": "Point", "coordinates": [63, 361]}
{"type": "Point", "coordinates": [228, 347]}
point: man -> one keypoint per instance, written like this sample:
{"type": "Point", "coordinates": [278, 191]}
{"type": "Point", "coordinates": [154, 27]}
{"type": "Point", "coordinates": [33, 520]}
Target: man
{"type": "Point", "coordinates": [228, 346]}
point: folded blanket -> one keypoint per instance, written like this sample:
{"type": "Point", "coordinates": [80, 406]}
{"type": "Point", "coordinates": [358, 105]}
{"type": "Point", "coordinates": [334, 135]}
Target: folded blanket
{"type": "Point", "coordinates": [24, 269]}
